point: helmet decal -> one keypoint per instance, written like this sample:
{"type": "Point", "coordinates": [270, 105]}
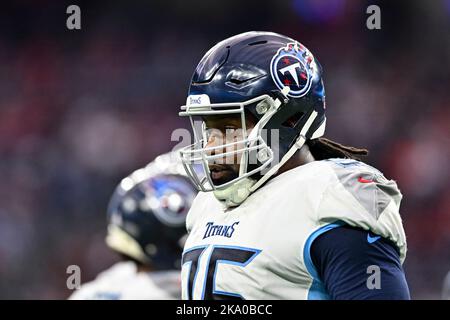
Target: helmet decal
{"type": "Point", "coordinates": [169, 198]}
{"type": "Point", "coordinates": [288, 68]}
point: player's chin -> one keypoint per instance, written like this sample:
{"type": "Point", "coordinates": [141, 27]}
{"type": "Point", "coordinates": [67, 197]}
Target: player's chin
{"type": "Point", "coordinates": [221, 176]}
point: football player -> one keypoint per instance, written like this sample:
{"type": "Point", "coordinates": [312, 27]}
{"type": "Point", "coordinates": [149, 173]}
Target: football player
{"type": "Point", "coordinates": [146, 226]}
{"type": "Point", "coordinates": [283, 212]}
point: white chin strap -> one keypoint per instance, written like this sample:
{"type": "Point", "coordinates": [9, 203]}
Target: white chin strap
{"type": "Point", "coordinates": [236, 193]}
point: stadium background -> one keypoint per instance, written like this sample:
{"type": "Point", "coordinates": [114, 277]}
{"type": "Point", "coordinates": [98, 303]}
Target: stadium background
{"type": "Point", "coordinates": [81, 109]}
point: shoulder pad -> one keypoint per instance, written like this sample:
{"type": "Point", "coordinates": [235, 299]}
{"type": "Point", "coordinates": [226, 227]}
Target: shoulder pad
{"type": "Point", "coordinates": [366, 184]}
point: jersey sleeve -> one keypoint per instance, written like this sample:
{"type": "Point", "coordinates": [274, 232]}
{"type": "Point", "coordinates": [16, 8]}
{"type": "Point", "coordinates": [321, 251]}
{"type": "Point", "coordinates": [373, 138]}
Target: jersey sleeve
{"type": "Point", "coordinates": [362, 197]}
{"type": "Point", "coordinates": [354, 264]}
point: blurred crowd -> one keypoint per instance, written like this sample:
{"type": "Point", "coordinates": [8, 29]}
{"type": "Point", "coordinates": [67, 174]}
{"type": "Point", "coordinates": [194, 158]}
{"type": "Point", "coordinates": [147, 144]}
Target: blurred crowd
{"type": "Point", "coordinates": [79, 110]}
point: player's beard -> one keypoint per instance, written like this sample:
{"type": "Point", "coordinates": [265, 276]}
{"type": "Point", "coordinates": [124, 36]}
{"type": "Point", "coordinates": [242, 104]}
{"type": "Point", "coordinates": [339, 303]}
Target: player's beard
{"type": "Point", "coordinates": [223, 173]}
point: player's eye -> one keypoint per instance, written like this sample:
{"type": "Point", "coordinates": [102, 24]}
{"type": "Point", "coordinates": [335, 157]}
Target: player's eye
{"type": "Point", "coordinates": [211, 133]}
{"type": "Point", "coordinates": [234, 133]}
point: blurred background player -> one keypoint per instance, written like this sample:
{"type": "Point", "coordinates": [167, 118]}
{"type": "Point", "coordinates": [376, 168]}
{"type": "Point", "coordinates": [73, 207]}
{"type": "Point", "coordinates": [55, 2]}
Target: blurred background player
{"type": "Point", "coordinates": [146, 226]}
{"type": "Point", "coordinates": [446, 288]}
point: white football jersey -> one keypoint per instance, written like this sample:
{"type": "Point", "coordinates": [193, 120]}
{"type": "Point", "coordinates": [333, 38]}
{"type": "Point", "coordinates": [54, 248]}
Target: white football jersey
{"type": "Point", "coordinates": [123, 282]}
{"type": "Point", "coordinates": [261, 249]}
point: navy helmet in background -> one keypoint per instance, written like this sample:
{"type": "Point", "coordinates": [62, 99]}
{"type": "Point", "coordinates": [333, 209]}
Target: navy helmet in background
{"type": "Point", "coordinates": [147, 214]}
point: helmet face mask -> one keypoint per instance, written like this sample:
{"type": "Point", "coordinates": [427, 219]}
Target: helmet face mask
{"type": "Point", "coordinates": [271, 77]}
{"type": "Point", "coordinates": [250, 151]}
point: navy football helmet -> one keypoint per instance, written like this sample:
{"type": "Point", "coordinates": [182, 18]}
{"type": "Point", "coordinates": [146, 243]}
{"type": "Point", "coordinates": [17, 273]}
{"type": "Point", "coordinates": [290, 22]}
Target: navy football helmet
{"type": "Point", "coordinates": [147, 213]}
{"type": "Point", "coordinates": [269, 77]}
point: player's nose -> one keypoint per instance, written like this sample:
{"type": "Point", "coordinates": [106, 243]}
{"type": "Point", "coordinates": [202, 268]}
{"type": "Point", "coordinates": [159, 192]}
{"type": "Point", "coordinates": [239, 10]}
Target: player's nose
{"type": "Point", "coordinates": [211, 147]}
{"type": "Point", "coordinates": [214, 147]}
